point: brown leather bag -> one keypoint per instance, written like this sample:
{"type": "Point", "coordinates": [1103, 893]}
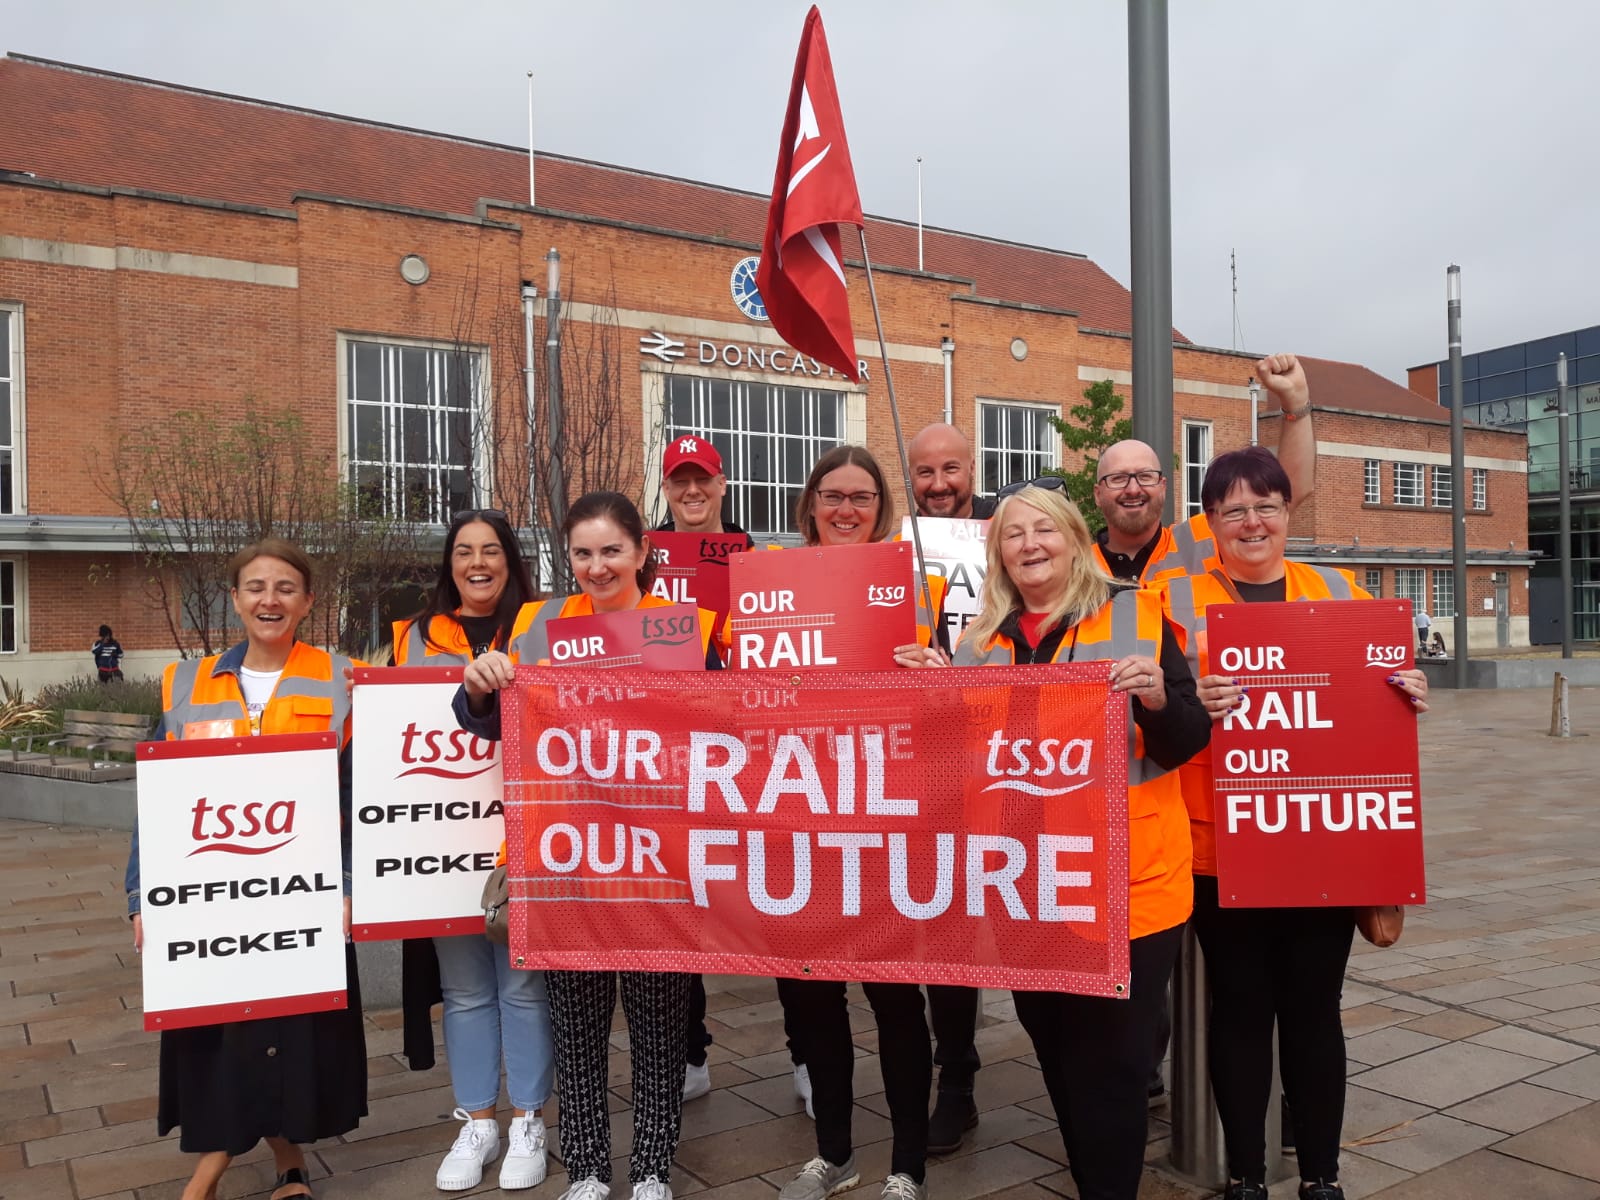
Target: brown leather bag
{"type": "Point", "coordinates": [1381, 924]}
{"type": "Point", "coordinates": [497, 906]}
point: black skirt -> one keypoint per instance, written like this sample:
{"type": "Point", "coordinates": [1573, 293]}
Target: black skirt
{"type": "Point", "coordinates": [302, 1078]}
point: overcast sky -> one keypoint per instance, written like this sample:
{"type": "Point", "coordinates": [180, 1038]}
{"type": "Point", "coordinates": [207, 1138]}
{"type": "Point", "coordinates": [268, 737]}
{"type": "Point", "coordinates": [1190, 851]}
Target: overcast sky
{"type": "Point", "coordinates": [1348, 150]}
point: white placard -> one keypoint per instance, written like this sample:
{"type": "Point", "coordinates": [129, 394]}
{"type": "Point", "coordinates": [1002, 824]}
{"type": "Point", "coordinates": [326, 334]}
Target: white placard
{"type": "Point", "coordinates": [955, 548]}
{"type": "Point", "coordinates": [428, 808]}
{"type": "Point", "coordinates": [240, 878]}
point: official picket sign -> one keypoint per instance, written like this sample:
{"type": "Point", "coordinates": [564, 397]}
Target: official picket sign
{"type": "Point", "coordinates": [239, 859]}
{"type": "Point", "coordinates": [955, 548]}
{"type": "Point", "coordinates": [1316, 771]}
{"type": "Point", "coordinates": [692, 568]}
{"type": "Point", "coordinates": [786, 605]}
{"type": "Point", "coordinates": [428, 807]}
{"type": "Point", "coordinates": [666, 638]}
{"type": "Point", "coordinates": [969, 827]}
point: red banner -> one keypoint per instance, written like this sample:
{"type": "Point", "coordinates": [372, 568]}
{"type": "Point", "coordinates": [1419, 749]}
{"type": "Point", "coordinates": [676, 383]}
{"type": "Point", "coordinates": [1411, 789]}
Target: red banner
{"type": "Point", "coordinates": [786, 606]}
{"type": "Point", "coordinates": [656, 639]}
{"type": "Point", "coordinates": [967, 826]}
{"type": "Point", "coordinates": [694, 568]}
{"type": "Point", "coordinates": [1317, 796]}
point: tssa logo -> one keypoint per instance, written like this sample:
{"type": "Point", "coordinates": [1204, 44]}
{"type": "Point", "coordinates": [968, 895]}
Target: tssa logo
{"type": "Point", "coordinates": [218, 827]}
{"type": "Point", "coordinates": [668, 631]}
{"type": "Point", "coordinates": [1021, 765]}
{"type": "Point", "coordinates": [1385, 656]}
{"type": "Point", "coordinates": [445, 754]}
{"type": "Point", "coordinates": [879, 596]}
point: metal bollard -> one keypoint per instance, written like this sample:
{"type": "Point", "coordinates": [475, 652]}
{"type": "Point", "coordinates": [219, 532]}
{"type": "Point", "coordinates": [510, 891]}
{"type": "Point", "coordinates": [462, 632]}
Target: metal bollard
{"type": "Point", "coordinates": [1196, 1131]}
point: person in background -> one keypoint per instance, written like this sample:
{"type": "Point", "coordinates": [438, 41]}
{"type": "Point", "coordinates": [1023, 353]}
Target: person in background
{"type": "Point", "coordinates": [493, 1013]}
{"type": "Point", "coordinates": [289, 1080]}
{"type": "Point", "coordinates": [107, 653]}
{"type": "Point", "coordinates": [942, 472]}
{"type": "Point", "coordinates": [1424, 623]}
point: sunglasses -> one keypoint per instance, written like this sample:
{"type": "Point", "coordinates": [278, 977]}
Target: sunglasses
{"type": "Point", "coordinates": [469, 514]}
{"type": "Point", "coordinates": [1050, 483]}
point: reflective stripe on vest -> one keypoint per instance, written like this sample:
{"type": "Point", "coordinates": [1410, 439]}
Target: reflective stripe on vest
{"type": "Point", "coordinates": [185, 710]}
{"type": "Point", "coordinates": [532, 645]}
{"type": "Point", "coordinates": [415, 651]}
{"type": "Point", "coordinates": [1183, 552]}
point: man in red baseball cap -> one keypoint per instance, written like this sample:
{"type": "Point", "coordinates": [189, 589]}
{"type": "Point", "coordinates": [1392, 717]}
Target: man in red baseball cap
{"type": "Point", "coordinates": [694, 485]}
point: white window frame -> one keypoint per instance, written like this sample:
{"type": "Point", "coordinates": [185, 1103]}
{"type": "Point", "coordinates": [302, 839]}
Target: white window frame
{"type": "Point", "coordinates": [1443, 490]}
{"type": "Point", "coordinates": [1372, 481]}
{"type": "Point", "coordinates": [13, 371]}
{"type": "Point", "coordinates": [479, 465]}
{"type": "Point", "coordinates": [1411, 583]}
{"type": "Point", "coordinates": [1408, 484]}
{"type": "Point", "coordinates": [1480, 489]}
{"type": "Point", "coordinates": [1194, 466]}
{"type": "Point", "coordinates": [1374, 582]}
{"type": "Point", "coordinates": [1444, 593]}
{"type": "Point", "coordinates": [1045, 458]}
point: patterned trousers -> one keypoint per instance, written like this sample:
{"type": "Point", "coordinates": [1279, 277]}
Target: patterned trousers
{"type": "Point", "coordinates": [656, 1005]}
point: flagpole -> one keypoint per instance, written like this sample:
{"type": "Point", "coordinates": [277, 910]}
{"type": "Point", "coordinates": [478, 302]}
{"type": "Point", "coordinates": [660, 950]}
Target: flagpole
{"type": "Point", "coordinates": [900, 444]}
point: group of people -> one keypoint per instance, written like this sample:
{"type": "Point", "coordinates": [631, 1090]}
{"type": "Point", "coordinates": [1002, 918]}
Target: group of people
{"type": "Point", "coordinates": [1135, 595]}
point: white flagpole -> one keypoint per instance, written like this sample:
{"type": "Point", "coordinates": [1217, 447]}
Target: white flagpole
{"type": "Point", "coordinates": [532, 203]}
{"type": "Point", "coordinates": [919, 212]}
{"type": "Point", "coordinates": [900, 443]}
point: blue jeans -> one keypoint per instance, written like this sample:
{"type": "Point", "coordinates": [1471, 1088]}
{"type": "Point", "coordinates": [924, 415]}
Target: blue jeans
{"type": "Point", "coordinates": [492, 1010]}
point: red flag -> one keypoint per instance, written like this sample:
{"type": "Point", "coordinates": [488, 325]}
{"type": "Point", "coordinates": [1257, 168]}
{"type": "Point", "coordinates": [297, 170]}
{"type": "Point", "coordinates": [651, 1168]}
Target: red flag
{"type": "Point", "coordinates": [801, 275]}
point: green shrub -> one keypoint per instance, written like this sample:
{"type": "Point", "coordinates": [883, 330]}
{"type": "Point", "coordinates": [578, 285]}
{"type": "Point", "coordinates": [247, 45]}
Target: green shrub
{"type": "Point", "coordinates": [87, 692]}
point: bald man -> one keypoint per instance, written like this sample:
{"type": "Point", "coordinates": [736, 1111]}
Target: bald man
{"type": "Point", "coordinates": [942, 472]}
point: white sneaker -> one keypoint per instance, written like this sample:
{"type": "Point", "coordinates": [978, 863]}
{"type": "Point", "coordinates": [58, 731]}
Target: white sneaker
{"type": "Point", "coordinates": [524, 1164]}
{"type": "Point", "coordinates": [587, 1189]}
{"type": "Point", "coordinates": [802, 1086]}
{"type": "Point", "coordinates": [477, 1143]}
{"type": "Point", "coordinates": [696, 1083]}
{"type": "Point", "coordinates": [652, 1188]}
{"type": "Point", "coordinates": [903, 1187]}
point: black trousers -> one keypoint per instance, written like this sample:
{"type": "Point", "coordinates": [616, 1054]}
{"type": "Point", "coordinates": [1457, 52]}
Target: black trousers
{"type": "Point", "coordinates": [696, 1037]}
{"type": "Point", "coordinates": [954, 1014]}
{"type": "Point", "coordinates": [816, 1010]}
{"type": "Point", "coordinates": [1282, 966]}
{"type": "Point", "coordinates": [1096, 1055]}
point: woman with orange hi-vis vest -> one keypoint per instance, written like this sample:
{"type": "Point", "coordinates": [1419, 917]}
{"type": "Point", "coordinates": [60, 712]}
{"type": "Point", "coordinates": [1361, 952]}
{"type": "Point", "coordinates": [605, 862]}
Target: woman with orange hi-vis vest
{"type": "Point", "coordinates": [1265, 966]}
{"type": "Point", "coordinates": [613, 564]}
{"type": "Point", "coordinates": [1045, 599]}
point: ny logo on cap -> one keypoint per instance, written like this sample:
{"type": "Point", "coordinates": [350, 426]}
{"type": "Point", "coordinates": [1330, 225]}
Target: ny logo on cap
{"type": "Point", "coordinates": [688, 446]}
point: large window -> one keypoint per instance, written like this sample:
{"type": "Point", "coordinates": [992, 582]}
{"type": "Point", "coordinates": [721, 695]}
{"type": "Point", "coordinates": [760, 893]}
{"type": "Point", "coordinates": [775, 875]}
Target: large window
{"type": "Point", "coordinates": [10, 405]}
{"type": "Point", "coordinates": [1411, 583]}
{"type": "Point", "coordinates": [1196, 456]}
{"type": "Point", "coordinates": [8, 607]}
{"type": "Point", "coordinates": [1407, 483]}
{"type": "Point", "coordinates": [1444, 593]}
{"type": "Point", "coordinates": [1015, 442]}
{"type": "Point", "coordinates": [769, 436]}
{"type": "Point", "coordinates": [1443, 487]}
{"type": "Point", "coordinates": [1374, 584]}
{"type": "Point", "coordinates": [411, 427]}
{"type": "Point", "coordinates": [1480, 488]}
{"type": "Point", "coordinates": [1371, 482]}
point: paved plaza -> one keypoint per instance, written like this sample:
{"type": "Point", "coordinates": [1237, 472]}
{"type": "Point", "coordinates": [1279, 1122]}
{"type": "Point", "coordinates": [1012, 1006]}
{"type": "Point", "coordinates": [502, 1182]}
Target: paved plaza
{"type": "Point", "coordinates": [1474, 1044]}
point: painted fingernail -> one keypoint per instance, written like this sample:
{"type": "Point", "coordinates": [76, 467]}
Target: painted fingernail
{"type": "Point", "coordinates": [1416, 699]}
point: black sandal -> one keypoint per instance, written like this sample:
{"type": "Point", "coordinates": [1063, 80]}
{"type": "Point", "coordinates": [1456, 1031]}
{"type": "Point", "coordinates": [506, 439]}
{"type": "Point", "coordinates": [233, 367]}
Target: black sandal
{"type": "Point", "coordinates": [294, 1175]}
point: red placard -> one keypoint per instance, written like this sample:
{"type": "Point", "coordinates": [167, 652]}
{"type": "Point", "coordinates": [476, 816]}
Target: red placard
{"type": "Point", "coordinates": [787, 607]}
{"type": "Point", "coordinates": [693, 568]}
{"type": "Point", "coordinates": [965, 826]}
{"type": "Point", "coordinates": [1317, 785]}
{"type": "Point", "coordinates": [654, 639]}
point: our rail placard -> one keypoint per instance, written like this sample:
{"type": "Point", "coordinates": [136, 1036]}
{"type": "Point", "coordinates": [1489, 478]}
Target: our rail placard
{"type": "Point", "coordinates": [665, 638]}
{"type": "Point", "coordinates": [841, 607]}
{"type": "Point", "coordinates": [240, 877]}
{"type": "Point", "coordinates": [427, 807]}
{"type": "Point", "coordinates": [1317, 786]}
{"type": "Point", "coordinates": [693, 568]}
{"type": "Point", "coordinates": [960, 825]}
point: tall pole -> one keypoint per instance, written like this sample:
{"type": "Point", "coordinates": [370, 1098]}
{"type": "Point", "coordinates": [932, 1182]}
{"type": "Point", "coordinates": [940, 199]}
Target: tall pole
{"type": "Point", "coordinates": [1458, 499]}
{"type": "Point", "coordinates": [1150, 186]}
{"type": "Point", "coordinates": [1255, 408]}
{"type": "Point", "coordinates": [555, 431]}
{"type": "Point", "coordinates": [919, 212]}
{"type": "Point", "coordinates": [1564, 464]}
{"type": "Point", "coordinates": [531, 201]}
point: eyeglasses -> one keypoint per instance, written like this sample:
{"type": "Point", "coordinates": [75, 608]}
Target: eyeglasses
{"type": "Point", "coordinates": [856, 499]}
{"type": "Point", "coordinates": [1267, 510]}
{"type": "Point", "coordinates": [1117, 480]}
{"type": "Point", "coordinates": [1051, 483]}
{"type": "Point", "coordinates": [468, 514]}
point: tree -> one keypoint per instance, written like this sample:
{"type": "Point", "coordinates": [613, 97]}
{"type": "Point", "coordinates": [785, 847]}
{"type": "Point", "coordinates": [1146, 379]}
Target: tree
{"type": "Point", "coordinates": [202, 487]}
{"type": "Point", "coordinates": [1093, 427]}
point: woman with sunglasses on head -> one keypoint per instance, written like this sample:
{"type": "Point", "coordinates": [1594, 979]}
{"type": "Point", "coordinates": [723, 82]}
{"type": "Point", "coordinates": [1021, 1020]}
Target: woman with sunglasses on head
{"type": "Point", "coordinates": [493, 1013]}
{"type": "Point", "coordinates": [846, 503]}
{"type": "Point", "coordinates": [614, 566]}
{"type": "Point", "coordinates": [1045, 599]}
{"type": "Point", "coordinates": [1266, 967]}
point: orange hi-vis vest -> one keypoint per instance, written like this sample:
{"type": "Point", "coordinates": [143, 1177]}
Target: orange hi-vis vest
{"type": "Point", "coordinates": [1185, 598]}
{"type": "Point", "coordinates": [449, 646]}
{"type": "Point", "coordinates": [1160, 882]}
{"type": "Point", "coordinates": [1186, 548]}
{"type": "Point", "coordinates": [199, 701]}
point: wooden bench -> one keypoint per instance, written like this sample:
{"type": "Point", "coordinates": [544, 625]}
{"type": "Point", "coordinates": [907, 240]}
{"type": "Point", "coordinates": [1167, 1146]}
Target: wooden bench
{"type": "Point", "coordinates": [96, 733]}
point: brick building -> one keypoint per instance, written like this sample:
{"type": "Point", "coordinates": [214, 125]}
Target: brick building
{"type": "Point", "coordinates": [164, 249]}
